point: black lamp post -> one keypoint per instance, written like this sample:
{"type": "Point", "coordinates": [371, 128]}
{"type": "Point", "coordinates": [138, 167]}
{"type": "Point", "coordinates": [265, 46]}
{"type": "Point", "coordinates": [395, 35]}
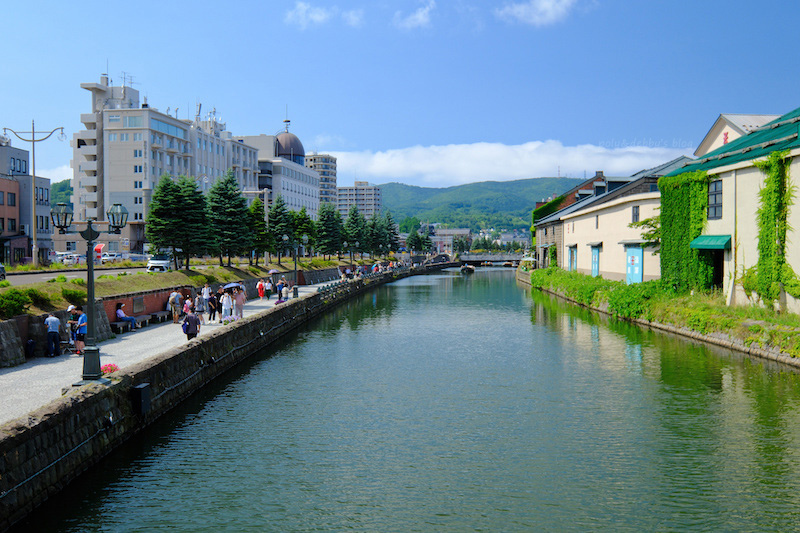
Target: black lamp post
{"type": "Point", "coordinates": [61, 216]}
{"type": "Point", "coordinates": [295, 245]}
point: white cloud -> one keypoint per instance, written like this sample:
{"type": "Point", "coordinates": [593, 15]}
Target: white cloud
{"type": "Point", "coordinates": [354, 18]}
{"type": "Point", "coordinates": [418, 19]}
{"type": "Point", "coordinates": [536, 12]}
{"type": "Point", "coordinates": [64, 172]}
{"type": "Point", "coordinates": [304, 15]}
{"type": "Point", "coordinates": [456, 164]}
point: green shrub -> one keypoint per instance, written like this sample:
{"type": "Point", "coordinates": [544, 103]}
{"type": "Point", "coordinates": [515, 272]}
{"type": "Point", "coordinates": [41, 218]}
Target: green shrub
{"type": "Point", "coordinates": [198, 280]}
{"type": "Point", "coordinates": [74, 296]}
{"type": "Point", "coordinates": [5, 283]}
{"type": "Point", "coordinates": [78, 281]}
{"type": "Point", "coordinates": [38, 298]}
{"type": "Point", "coordinates": [634, 301]}
{"type": "Point", "coordinates": [13, 302]}
{"type": "Point", "coordinates": [61, 278]}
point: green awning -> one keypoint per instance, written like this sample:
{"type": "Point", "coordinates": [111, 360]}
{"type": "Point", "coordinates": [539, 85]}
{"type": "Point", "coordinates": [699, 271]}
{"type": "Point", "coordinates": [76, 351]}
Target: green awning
{"type": "Point", "coordinates": [712, 242]}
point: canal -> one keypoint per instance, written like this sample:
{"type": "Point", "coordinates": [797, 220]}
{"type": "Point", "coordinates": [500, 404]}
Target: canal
{"type": "Point", "coordinates": [454, 403]}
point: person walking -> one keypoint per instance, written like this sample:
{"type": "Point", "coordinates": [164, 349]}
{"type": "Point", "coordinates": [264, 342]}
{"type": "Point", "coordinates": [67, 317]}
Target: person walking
{"type": "Point", "coordinates": [200, 307]}
{"type": "Point", "coordinates": [122, 317]}
{"type": "Point", "coordinates": [285, 292]}
{"type": "Point", "coordinates": [175, 306]}
{"type": "Point", "coordinates": [239, 298]}
{"type": "Point", "coordinates": [213, 305]}
{"type": "Point", "coordinates": [260, 287]}
{"type": "Point", "coordinates": [191, 325]}
{"type": "Point", "coordinates": [268, 288]}
{"type": "Point", "coordinates": [279, 290]}
{"type": "Point", "coordinates": [226, 303]}
{"type": "Point", "coordinates": [207, 292]}
{"type": "Point", "coordinates": [188, 305]}
{"type": "Point", "coordinates": [53, 335]}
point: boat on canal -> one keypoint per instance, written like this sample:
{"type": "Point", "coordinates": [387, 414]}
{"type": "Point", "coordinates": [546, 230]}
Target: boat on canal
{"type": "Point", "coordinates": [467, 269]}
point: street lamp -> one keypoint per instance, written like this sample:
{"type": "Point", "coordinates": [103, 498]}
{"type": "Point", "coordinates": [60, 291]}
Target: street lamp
{"type": "Point", "coordinates": [33, 140]}
{"type": "Point", "coordinates": [295, 246]}
{"type": "Point", "coordinates": [61, 215]}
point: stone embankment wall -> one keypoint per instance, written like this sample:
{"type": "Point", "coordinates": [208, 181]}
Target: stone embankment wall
{"type": "Point", "coordinates": [42, 452]}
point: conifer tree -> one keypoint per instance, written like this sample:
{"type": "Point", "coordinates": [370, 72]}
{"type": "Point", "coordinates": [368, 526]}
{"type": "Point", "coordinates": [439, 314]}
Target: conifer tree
{"type": "Point", "coordinates": [193, 237]}
{"type": "Point", "coordinates": [355, 228]}
{"type": "Point", "coordinates": [280, 224]}
{"type": "Point", "coordinates": [228, 215]}
{"type": "Point", "coordinates": [163, 220]}
{"type": "Point", "coordinates": [303, 225]}
{"type": "Point", "coordinates": [392, 237]}
{"type": "Point", "coordinates": [329, 234]}
{"type": "Point", "coordinates": [258, 230]}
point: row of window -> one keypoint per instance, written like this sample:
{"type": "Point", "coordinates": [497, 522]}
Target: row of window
{"type": "Point", "coordinates": [123, 137]}
{"type": "Point", "coordinates": [18, 165]}
{"type": "Point", "coordinates": [12, 224]}
{"type": "Point", "coordinates": [8, 198]}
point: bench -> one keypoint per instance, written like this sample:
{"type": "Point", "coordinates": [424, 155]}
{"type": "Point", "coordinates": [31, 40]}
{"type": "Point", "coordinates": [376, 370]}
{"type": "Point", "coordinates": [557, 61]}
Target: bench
{"type": "Point", "coordinates": [120, 326]}
{"type": "Point", "coordinates": [160, 316]}
{"type": "Point", "coordinates": [143, 320]}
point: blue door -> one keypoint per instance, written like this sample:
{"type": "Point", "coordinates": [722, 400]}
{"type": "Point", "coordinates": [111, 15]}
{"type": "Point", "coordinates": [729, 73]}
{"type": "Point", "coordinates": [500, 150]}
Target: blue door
{"type": "Point", "coordinates": [573, 258]}
{"type": "Point", "coordinates": [634, 257]}
{"type": "Point", "coordinates": [595, 261]}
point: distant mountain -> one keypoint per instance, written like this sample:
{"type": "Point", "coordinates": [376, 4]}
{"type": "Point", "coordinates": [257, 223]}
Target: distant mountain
{"type": "Point", "coordinates": [61, 192]}
{"type": "Point", "coordinates": [498, 204]}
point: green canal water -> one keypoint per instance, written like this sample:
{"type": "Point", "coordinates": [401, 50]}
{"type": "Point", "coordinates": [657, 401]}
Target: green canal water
{"type": "Point", "coordinates": [454, 403]}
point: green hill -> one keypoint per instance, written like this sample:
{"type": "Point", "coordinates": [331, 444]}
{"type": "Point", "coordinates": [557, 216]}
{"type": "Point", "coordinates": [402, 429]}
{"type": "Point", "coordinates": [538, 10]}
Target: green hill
{"type": "Point", "coordinates": [60, 192]}
{"type": "Point", "coordinates": [498, 204]}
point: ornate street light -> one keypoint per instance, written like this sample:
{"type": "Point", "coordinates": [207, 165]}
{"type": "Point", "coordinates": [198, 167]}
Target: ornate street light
{"type": "Point", "coordinates": [61, 216]}
{"type": "Point", "coordinates": [33, 140]}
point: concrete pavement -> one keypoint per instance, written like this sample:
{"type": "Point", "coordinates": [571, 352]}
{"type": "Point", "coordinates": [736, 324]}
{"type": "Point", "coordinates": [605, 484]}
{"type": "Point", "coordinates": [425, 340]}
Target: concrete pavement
{"type": "Point", "coordinates": [39, 381]}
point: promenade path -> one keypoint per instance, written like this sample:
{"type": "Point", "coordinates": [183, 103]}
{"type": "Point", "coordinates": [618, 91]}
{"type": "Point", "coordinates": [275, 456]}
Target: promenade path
{"type": "Point", "coordinates": [27, 387]}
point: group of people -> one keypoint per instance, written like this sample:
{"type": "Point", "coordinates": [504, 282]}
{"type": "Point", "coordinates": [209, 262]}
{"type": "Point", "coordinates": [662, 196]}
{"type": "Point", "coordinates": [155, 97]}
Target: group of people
{"type": "Point", "coordinates": [77, 323]}
{"type": "Point", "coordinates": [224, 303]}
{"type": "Point", "coordinates": [282, 288]}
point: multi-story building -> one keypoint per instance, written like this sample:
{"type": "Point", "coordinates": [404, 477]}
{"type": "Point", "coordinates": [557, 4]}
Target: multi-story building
{"type": "Point", "coordinates": [127, 146]}
{"type": "Point", "coordinates": [366, 197]}
{"type": "Point", "coordinates": [25, 208]}
{"type": "Point", "coordinates": [325, 165]}
{"type": "Point", "coordinates": [282, 171]}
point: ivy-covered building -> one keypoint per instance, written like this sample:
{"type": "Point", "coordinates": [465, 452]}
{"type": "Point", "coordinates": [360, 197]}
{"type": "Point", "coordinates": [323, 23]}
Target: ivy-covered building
{"type": "Point", "coordinates": [728, 219]}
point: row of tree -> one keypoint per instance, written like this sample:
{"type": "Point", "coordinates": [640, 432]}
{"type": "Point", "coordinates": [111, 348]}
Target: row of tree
{"type": "Point", "coordinates": [187, 222]}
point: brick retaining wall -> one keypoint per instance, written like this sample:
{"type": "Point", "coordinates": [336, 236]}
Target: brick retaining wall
{"type": "Point", "coordinates": [45, 450]}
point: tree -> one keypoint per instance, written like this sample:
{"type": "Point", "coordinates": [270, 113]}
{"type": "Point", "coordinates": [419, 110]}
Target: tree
{"type": "Point", "coordinates": [460, 244]}
{"type": "Point", "coordinates": [194, 236]}
{"type": "Point", "coordinates": [329, 229]}
{"type": "Point", "coordinates": [414, 241]}
{"type": "Point", "coordinates": [280, 224]}
{"type": "Point", "coordinates": [355, 229]}
{"type": "Point", "coordinates": [651, 232]}
{"type": "Point", "coordinates": [228, 217]}
{"type": "Point", "coordinates": [258, 229]}
{"type": "Point", "coordinates": [303, 225]}
{"type": "Point", "coordinates": [409, 224]}
{"type": "Point", "coordinates": [392, 238]}
{"type": "Point", "coordinates": [163, 220]}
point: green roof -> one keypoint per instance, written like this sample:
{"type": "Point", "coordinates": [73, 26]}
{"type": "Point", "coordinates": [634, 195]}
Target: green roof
{"type": "Point", "coordinates": [711, 242]}
{"type": "Point", "coordinates": [780, 134]}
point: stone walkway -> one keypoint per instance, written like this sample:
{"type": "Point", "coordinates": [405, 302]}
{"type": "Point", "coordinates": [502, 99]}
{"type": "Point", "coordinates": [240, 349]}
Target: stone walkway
{"type": "Point", "coordinates": [29, 386]}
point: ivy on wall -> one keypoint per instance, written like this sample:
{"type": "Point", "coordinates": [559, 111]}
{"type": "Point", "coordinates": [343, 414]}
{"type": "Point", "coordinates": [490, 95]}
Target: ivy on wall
{"type": "Point", "coordinates": [775, 198]}
{"type": "Point", "coordinates": [684, 212]}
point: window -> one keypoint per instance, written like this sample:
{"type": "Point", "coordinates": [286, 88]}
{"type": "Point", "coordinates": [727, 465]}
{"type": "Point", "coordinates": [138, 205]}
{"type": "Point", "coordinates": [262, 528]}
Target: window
{"type": "Point", "coordinates": [112, 137]}
{"type": "Point", "coordinates": [2, 197]}
{"type": "Point", "coordinates": [123, 137]}
{"type": "Point", "coordinates": [12, 224]}
{"type": "Point", "coordinates": [2, 225]}
{"type": "Point", "coordinates": [137, 184]}
{"type": "Point", "coordinates": [715, 200]}
{"type": "Point", "coordinates": [596, 221]}
{"type": "Point", "coordinates": [137, 153]}
{"type": "Point", "coordinates": [12, 199]}
{"type": "Point", "coordinates": [137, 169]}
{"type": "Point", "coordinates": [132, 121]}
{"type": "Point", "coordinates": [113, 118]}
{"type": "Point", "coordinates": [635, 214]}
{"type": "Point", "coordinates": [71, 246]}
{"type": "Point", "coordinates": [137, 136]}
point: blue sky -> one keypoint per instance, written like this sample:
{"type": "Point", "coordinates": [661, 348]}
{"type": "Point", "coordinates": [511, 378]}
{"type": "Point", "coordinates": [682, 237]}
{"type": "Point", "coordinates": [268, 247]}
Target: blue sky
{"type": "Point", "coordinates": [425, 92]}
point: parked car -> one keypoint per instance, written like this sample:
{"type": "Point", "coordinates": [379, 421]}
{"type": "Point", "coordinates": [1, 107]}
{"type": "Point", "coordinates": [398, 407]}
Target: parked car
{"type": "Point", "coordinates": [110, 257]}
{"type": "Point", "coordinates": [60, 256]}
{"type": "Point", "coordinates": [74, 259]}
{"type": "Point", "coordinates": [2, 272]}
{"type": "Point", "coordinates": [159, 263]}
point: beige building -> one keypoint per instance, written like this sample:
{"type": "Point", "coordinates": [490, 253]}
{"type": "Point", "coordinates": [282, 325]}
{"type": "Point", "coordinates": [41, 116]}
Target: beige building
{"type": "Point", "coordinates": [729, 127]}
{"type": "Point", "coordinates": [325, 166]}
{"type": "Point", "coordinates": [366, 197]}
{"type": "Point", "coordinates": [126, 147]}
{"type": "Point", "coordinates": [599, 242]}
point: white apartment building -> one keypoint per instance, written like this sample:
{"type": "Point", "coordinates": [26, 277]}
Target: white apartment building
{"type": "Point", "coordinates": [325, 165]}
{"type": "Point", "coordinates": [366, 197]}
{"type": "Point", "coordinates": [127, 146]}
{"type": "Point", "coordinates": [281, 160]}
